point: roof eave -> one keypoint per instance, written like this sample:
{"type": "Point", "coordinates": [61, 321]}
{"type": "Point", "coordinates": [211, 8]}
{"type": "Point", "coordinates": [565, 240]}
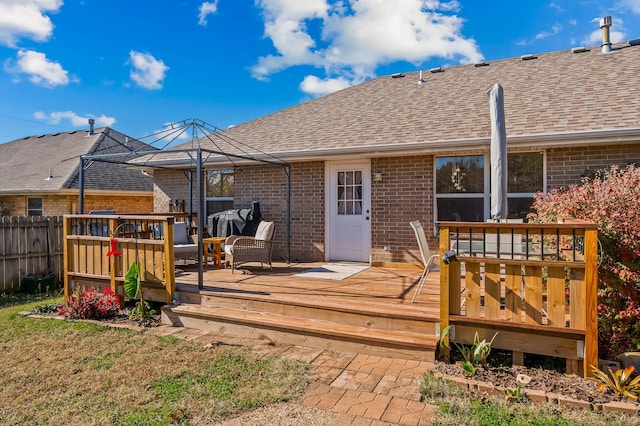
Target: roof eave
{"type": "Point", "coordinates": [537, 141]}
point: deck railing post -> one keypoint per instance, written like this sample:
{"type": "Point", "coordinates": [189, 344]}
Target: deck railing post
{"type": "Point", "coordinates": [169, 267]}
{"type": "Point", "coordinates": [66, 227]}
{"type": "Point", "coordinates": [591, 302]}
{"type": "Point", "coordinates": [444, 290]}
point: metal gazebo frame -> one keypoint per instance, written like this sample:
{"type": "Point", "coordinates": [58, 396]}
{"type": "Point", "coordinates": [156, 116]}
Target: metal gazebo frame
{"type": "Point", "coordinates": [143, 159]}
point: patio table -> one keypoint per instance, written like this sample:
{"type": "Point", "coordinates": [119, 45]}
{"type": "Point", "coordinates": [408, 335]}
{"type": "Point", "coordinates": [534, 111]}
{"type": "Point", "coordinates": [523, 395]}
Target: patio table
{"type": "Point", "coordinates": [217, 250]}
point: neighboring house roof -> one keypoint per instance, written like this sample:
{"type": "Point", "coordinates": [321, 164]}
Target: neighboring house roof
{"type": "Point", "coordinates": [26, 163]}
{"type": "Point", "coordinates": [554, 99]}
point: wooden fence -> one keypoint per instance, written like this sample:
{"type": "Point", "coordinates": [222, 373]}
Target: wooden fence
{"type": "Point", "coordinates": [146, 239]}
{"type": "Point", "coordinates": [29, 246]}
{"type": "Point", "coordinates": [533, 284]}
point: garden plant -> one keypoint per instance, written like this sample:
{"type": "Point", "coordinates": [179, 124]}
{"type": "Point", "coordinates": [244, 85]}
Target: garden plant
{"type": "Point", "coordinates": [611, 199]}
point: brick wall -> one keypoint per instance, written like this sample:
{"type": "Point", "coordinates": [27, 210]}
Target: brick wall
{"type": "Point", "coordinates": [404, 194]}
{"type": "Point", "coordinates": [169, 186]}
{"type": "Point", "coordinates": [565, 166]}
{"type": "Point", "coordinates": [57, 205]}
{"type": "Point", "coordinates": [268, 186]}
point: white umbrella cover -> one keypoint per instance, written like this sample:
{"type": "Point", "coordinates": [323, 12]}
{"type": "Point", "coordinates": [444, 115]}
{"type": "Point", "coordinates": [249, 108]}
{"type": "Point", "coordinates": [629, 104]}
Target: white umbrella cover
{"type": "Point", "coordinates": [499, 207]}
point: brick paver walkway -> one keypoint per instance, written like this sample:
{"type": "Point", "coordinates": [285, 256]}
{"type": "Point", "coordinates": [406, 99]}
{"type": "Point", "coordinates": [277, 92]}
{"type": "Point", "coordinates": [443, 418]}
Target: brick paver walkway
{"type": "Point", "coordinates": [362, 389]}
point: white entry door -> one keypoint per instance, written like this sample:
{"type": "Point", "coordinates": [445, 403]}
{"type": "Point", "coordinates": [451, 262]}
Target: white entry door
{"type": "Point", "coordinates": [348, 211]}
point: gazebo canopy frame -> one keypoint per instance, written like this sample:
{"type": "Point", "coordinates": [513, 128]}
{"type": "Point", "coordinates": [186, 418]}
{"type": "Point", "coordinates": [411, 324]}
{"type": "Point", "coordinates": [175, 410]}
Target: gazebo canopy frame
{"type": "Point", "coordinates": [193, 160]}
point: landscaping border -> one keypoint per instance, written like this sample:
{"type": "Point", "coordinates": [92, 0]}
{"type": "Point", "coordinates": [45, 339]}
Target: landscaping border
{"type": "Point", "coordinates": [538, 395]}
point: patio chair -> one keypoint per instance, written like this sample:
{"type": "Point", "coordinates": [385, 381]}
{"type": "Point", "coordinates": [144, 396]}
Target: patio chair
{"type": "Point", "coordinates": [428, 259]}
{"type": "Point", "coordinates": [183, 246]}
{"type": "Point", "coordinates": [240, 249]}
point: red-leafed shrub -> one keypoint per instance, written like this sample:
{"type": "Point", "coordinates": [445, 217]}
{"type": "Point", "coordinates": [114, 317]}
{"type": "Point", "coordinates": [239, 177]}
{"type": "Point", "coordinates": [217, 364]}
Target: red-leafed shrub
{"type": "Point", "coordinates": [92, 305]}
{"type": "Point", "coordinates": [611, 199]}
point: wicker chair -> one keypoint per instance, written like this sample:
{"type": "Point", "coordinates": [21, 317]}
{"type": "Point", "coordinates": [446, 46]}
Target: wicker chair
{"type": "Point", "coordinates": [240, 249]}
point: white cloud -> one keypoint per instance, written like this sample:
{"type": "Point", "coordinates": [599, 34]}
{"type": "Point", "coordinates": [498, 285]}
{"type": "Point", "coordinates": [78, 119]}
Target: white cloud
{"type": "Point", "coordinates": [75, 119]}
{"type": "Point", "coordinates": [171, 134]}
{"type": "Point", "coordinates": [350, 39]}
{"type": "Point", "coordinates": [26, 18]}
{"type": "Point", "coordinates": [207, 8]}
{"type": "Point", "coordinates": [148, 72]}
{"type": "Point", "coordinates": [312, 85]}
{"type": "Point", "coordinates": [632, 5]}
{"type": "Point", "coordinates": [40, 70]}
{"type": "Point", "coordinates": [554, 30]}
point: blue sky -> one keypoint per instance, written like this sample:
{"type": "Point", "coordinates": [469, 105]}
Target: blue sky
{"type": "Point", "coordinates": [136, 65]}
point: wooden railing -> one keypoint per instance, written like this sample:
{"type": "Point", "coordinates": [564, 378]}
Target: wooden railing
{"type": "Point", "coordinates": [146, 239]}
{"type": "Point", "coordinates": [534, 284]}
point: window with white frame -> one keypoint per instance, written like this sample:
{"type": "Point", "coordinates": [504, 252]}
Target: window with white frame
{"type": "Point", "coordinates": [219, 190]}
{"type": "Point", "coordinates": [34, 206]}
{"type": "Point", "coordinates": [463, 186]}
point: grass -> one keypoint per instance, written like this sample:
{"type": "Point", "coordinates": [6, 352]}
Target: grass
{"type": "Point", "coordinates": [457, 406]}
{"type": "Point", "coordinates": [63, 372]}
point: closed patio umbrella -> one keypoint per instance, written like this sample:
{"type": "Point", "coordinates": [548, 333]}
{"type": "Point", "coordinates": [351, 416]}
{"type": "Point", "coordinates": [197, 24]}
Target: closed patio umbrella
{"type": "Point", "coordinates": [498, 149]}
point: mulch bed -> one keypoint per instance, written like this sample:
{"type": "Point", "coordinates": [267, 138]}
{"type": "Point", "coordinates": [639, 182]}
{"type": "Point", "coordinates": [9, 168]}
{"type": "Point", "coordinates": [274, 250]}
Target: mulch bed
{"type": "Point", "coordinates": [549, 381]}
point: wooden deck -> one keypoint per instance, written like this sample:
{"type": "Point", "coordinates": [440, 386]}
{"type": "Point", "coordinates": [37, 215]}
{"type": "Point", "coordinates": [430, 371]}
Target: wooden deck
{"type": "Point", "coordinates": [369, 312]}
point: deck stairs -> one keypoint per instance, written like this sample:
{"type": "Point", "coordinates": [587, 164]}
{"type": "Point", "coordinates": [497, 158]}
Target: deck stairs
{"type": "Point", "coordinates": [345, 323]}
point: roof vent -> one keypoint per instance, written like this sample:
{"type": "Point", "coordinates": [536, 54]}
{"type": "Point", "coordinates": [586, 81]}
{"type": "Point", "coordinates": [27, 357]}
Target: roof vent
{"type": "Point", "coordinates": [605, 24]}
{"type": "Point", "coordinates": [50, 177]}
{"type": "Point", "coordinates": [41, 136]}
{"type": "Point", "coordinates": [634, 42]}
{"type": "Point", "coordinates": [579, 49]}
{"type": "Point", "coordinates": [436, 69]}
{"type": "Point", "coordinates": [72, 132]}
{"type": "Point", "coordinates": [397, 75]}
{"type": "Point", "coordinates": [528, 57]}
{"type": "Point", "coordinates": [421, 80]}
{"type": "Point", "coordinates": [481, 64]}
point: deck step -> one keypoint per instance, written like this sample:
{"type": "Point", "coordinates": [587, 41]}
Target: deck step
{"type": "Point", "coordinates": [315, 333]}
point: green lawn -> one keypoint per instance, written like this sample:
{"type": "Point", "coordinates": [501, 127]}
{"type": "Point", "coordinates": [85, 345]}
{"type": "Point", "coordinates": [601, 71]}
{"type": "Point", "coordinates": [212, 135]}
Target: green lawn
{"type": "Point", "coordinates": [64, 372]}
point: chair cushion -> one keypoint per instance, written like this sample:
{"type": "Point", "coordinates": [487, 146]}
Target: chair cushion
{"type": "Point", "coordinates": [265, 231]}
{"type": "Point", "coordinates": [180, 233]}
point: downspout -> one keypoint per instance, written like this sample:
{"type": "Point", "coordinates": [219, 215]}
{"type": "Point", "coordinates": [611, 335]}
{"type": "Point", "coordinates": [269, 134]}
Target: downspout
{"type": "Point", "coordinates": [287, 171]}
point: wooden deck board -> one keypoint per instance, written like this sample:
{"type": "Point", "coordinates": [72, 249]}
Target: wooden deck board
{"type": "Point", "coordinates": [369, 312]}
{"type": "Point", "coordinates": [374, 285]}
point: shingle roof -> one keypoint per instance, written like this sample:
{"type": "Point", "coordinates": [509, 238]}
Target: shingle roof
{"type": "Point", "coordinates": [26, 162]}
{"type": "Point", "coordinates": [555, 94]}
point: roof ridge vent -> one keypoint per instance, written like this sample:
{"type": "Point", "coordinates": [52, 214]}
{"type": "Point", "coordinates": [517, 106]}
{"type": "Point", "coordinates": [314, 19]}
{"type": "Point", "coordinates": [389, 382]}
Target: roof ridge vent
{"type": "Point", "coordinates": [481, 64]}
{"type": "Point", "coordinates": [397, 75]}
{"type": "Point", "coordinates": [579, 49]}
{"type": "Point", "coordinates": [436, 69]}
{"type": "Point", "coordinates": [528, 57]}
{"type": "Point", "coordinates": [634, 42]}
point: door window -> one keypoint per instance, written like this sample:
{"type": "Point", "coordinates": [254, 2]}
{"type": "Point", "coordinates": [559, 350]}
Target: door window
{"type": "Point", "coordinates": [349, 192]}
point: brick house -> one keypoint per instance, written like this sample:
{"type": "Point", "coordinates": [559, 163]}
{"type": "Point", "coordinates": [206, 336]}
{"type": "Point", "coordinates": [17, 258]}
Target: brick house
{"type": "Point", "coordinates": [370, 158]}
{"type": "Point", "coordinates": [39, 175]}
